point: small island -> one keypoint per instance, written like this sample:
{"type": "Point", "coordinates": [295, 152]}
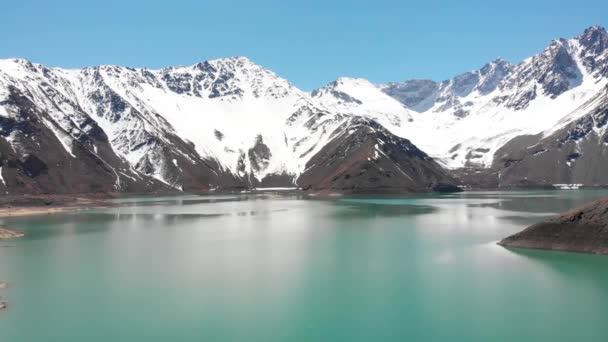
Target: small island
{"type": "Point", "coordinates": [583, 230]}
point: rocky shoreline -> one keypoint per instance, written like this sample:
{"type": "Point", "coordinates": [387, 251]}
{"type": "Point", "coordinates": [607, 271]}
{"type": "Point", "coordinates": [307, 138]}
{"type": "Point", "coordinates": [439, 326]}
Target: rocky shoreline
{"type": "Point", "coordinates": [22, 205]}
{"type": "Point", "coordinates": [9, 234]}
{"type": "Point", "coordinates": [583, 230]}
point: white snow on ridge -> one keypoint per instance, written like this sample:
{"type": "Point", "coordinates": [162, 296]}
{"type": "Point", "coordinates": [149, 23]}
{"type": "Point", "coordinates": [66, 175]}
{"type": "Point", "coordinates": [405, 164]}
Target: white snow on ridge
{"type": "Point", "coordinates": [486, 126]}
{"type": "Point", "coordinates": [225, 106]}
{"type": "Point", "coordinates": [238, 123]}
{"type": "Point", "coordinates": [364, 99]}
{"type": "Point", "coordinates": [490, 126]}
{"type": "Point", "coordinates": [226, 127]}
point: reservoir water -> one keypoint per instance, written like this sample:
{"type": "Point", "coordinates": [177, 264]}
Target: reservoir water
{"type": "Point", "coordinates": [283, 268]}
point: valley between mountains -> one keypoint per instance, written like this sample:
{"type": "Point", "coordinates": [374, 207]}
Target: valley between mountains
{"type": "Point", "coordinates": [230, 124]}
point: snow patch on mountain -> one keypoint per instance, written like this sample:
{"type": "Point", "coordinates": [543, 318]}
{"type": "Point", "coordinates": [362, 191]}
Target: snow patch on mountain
{"type": "Point", "coordinates": [360, 97]}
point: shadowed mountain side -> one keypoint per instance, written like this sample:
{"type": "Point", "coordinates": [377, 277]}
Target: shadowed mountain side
{"type": "Point", "coordinates": [365, 157]}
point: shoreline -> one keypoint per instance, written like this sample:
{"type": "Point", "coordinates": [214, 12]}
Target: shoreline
{"type": "Point", "coordinates": [29, 211]}
{"type": "Point", "coordinates": [28, 205]}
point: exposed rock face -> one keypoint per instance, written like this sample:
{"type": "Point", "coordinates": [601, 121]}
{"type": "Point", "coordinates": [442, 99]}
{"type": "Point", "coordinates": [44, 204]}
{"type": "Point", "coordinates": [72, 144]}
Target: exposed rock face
{"type": "Point", "coordinates": [51, 140]}
{"type": "Point", "coordinates": [446, 96]}
{"type": "Point", "coordinates": [554, 70]}
{"type": "Point", "coordinates": [37, 162]}
{"type": "Point", "coordinates": [259, 155]}
{"type": "Point", "coordinates": [415, 94]}
{"type": "Point", "coordinates": [365, 157]}
{"type": "Point", "coordinates": [584, 229]}
{"type": "Point", "coordinates": [595, 42]}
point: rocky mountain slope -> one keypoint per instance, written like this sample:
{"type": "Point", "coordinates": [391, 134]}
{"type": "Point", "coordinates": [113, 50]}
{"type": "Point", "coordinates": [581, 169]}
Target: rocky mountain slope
{"type": "Point", "coordinates": [363, 156]}
{"type": "Point", "coordinates": [576, 153]}
{"type": "Point", "coordinates": [232, 124]}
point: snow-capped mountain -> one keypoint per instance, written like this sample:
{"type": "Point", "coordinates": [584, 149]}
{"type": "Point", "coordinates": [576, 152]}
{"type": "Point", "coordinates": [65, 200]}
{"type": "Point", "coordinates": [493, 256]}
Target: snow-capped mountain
{"type": "Point", "coordinates": [574, 153]}
{"type": "Point", "coordinates": [226, 123]}
{"type": "Point", "coordinates": [363, 98]}
{"type": "Point", "coordinates": [423, 95]}
{"type": "Point", "coordinates": [478, 112]}
{"type": "Point", "coordinates": [230, 123]}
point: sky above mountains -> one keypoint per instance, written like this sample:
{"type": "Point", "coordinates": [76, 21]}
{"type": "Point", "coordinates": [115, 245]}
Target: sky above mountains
{"type": "Point", "coordinates": [310, 43]}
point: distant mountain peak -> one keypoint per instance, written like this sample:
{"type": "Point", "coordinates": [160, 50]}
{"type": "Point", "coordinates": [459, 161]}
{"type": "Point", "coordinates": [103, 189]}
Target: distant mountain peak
{"type": "Point", "coordinates": [350, 80]}
{"type": "Point", "coordinates": [20, 60]}
{"type": "Point", "coordinates": [595, 29]}
{"type": "Point", "coordinates": [239, 61]}
{"type": "Point", "coordinates": [500, 61]}
{"type": "Point", "coordinates": [594, 39]}
{"type": "Point", "coordinates": [498, 64]}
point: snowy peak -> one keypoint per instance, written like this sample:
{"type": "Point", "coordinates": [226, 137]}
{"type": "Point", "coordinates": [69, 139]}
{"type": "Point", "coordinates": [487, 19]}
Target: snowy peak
{"type": "Point", "coordinates": [594, 38]}
{"type": "Point", "coordinates": [358, 96]}
{"type": "Point", "coordinates": [227, 79]}
{"type": "Point", "coordinates": [544, 90]}
{"type": "Point", "coordinates": [423, 95]}
{"type": "Point", "coordinates": [549, 73]}
{"type": "Point", "coordinates": [21, 69]}
{"type": "Point", "coordinates": [491, 74]}
{"type": "Point", "coordinates": [483, 81]}
{"type": "Point", "coordinates": [594, 52]}
{"type": "Point", "coordinates": [341, 88]}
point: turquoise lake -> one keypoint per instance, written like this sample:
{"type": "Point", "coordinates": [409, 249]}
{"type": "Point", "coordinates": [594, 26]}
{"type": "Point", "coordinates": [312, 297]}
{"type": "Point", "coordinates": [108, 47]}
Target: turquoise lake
{"type": "Point", "coordinates": [283, 268]}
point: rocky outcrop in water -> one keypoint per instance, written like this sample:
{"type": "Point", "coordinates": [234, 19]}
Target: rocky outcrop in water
{"type": "Point", "coordinates": [584, 230]}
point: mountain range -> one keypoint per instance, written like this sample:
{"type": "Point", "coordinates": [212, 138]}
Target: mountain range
{"type": "Point", "coordinates": [230, 124]}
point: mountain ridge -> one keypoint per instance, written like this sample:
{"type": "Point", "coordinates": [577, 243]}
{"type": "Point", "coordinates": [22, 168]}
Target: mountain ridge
{"type": "Point", "coordinates": [232, 124]}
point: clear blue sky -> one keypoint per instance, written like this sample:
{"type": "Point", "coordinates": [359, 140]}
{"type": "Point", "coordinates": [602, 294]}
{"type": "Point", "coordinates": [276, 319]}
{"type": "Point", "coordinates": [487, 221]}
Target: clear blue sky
{"type": "Point", "coordinates": [308, 42]}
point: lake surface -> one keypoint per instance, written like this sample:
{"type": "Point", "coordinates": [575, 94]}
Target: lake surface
{"type": "Point", "coordinates": [268, 268]}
